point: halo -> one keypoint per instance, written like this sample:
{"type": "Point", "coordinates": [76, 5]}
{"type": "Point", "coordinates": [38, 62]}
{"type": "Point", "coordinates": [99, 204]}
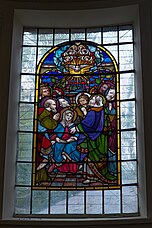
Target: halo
{"type": "Point", "coordinates": [103, 98]}
{"type": "Point", "coordinates": [80, 94]}
{"type": "Point", "coordinates": [44, 100]}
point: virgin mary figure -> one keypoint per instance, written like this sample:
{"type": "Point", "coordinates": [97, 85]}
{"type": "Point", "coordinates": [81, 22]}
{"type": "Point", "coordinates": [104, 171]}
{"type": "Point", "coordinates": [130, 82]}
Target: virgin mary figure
{"type": "Point", "coordinates": [66, 157]}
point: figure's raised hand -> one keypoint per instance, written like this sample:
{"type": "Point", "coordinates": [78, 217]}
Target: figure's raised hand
{"type": "Point", "coordinates": [56, 116]}
{"type": "Point", "coordinates": [73, 130]}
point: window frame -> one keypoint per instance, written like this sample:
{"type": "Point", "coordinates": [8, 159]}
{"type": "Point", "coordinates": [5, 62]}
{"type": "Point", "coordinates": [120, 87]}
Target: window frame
{"type": "Point", "coordinates": [13, 93]}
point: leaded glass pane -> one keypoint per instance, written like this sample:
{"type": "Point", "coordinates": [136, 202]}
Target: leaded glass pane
{"type": "Point", "coordinates": [29, 60]}
{"type": "Point", "coordinates": [76, 202]}
{"type": "Point", "coordinates": [129, 172]}
{"type": "Point", "coordinates": [127, 114]}
{"type": "Point", "coordinates": [129, 199]}
{"type": "Point", "coordinates": [45, 37]}
{"type": "Point", "coordinates": [113, 50]}
{"type": "Point", "coordinates": [77, 34]}
{"type": "Point", "coordinates": [27, 88]}
{"type": "Point", "coordinates": [23, 200]}
{"type": "Point", "coordinates": [128, 145]}
{"type": "Point", "coordinates": [94, 35]}
{"type": "Point", "coordinates": [24, 173]}
{"type": "Point", "coordinates": [127, 89]}
{"type": "Point", "coordinates": [41, 52]}
{"type": "Point", "coordinates": [30, 37]}
{"type": "Point", "coordinates": [26, 117]}
{"type": "Point", "coordinates": [125, 34]}
{"type": "Point", "coordinates": [61, 35]}
{"type": "Point", "coordinates": [40, 202]}
{"type": "Point", "coordinates": [126, 57]}
{"type": "Point", "coordinates": [58, 202]}
{"type": "Point", "coordinates": [94, 202]}
{"type": "Point", "coordinates": [112, 202]}
{"type": "Point", "coordinates": [110, 35]}
{"type": "Point", "coordinates": [24, 147]}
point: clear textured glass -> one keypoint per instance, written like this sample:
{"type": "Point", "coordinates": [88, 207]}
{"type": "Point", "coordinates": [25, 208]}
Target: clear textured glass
{"type": "Point", "coordinates": [125, 33]}
{"type": "Point", "coordinates": [126, 57]}
{"type": "Point", "coordinates": [129, 172]}
{"type": "Point", "coordinates": [58, 202]}
{"type": "Point", "coordinates": [61, 35]}
{"type": "Point", "coordinates": [110, 35]}
{"type": "Point", "coordinates": [113, 49]}
{"type": "Point", "coordinates": [129, 199]}
{"type": "Point", "coordinates": [45, 37]}
{"type": "Point", "coordinates": [94, 202]}
{"type": "Point", "coordinates": [128, 145]}
{"type": "Point", "coordinates": [41, 52]}
{"type": "Point", "coordinates": [76, 202]}
{"type": "Point", "coordinates": [40, 201]}
{"type": "Point", "coordinates": [29, 60]}
{"type": "Point", "coordinates": [127, 110]}
{"type": "Point", "coordinates": [94, 35]}
{"type": "Point", "coordinates": [111, 201]}
{"type": "Point", "coordinates": [30, 37]}
{"type": "Point", "coordinates": [26, 117]}
{"type": "Point", "coordinates": [127, 89]}
{"type": "Point", "coordinates": [27, 88]}
{"type": "Point", "coordinates": [77, 34]}
{"type": "Point", "coordinates": [24, 147]}
{"type": "Point", "coordinates": [22, 201]}
{"type": "Point", "coordinates": [24, 171]}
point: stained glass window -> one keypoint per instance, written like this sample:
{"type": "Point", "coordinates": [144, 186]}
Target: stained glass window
{"type": "Point", "coordinates": [77, 129]}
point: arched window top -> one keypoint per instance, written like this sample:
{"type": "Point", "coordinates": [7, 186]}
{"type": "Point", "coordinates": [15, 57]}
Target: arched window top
{"type": "Point", "coordinates": [78, 57]}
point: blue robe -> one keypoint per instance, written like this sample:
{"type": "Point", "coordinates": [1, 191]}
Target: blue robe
{"type": "Point", "coordinates": [94, 139]}
{"type": "Point", "coordinates": [92, 125]}
{"type": "Point", "coordinates": [69, 148]}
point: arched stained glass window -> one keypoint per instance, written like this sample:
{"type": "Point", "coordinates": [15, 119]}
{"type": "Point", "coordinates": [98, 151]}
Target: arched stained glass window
{"type": "Point", "coordinates": [77, 143]}
{"type": "Point", "coordinates": [77, 130]}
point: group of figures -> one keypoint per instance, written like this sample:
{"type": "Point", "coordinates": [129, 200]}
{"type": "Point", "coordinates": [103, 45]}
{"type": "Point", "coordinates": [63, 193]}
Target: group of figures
{"type": "Point", "coordinates": [77, 117]}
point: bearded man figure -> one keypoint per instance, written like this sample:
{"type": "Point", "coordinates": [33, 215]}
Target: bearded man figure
{"type": "Point", "coordinates": [93, 142]}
